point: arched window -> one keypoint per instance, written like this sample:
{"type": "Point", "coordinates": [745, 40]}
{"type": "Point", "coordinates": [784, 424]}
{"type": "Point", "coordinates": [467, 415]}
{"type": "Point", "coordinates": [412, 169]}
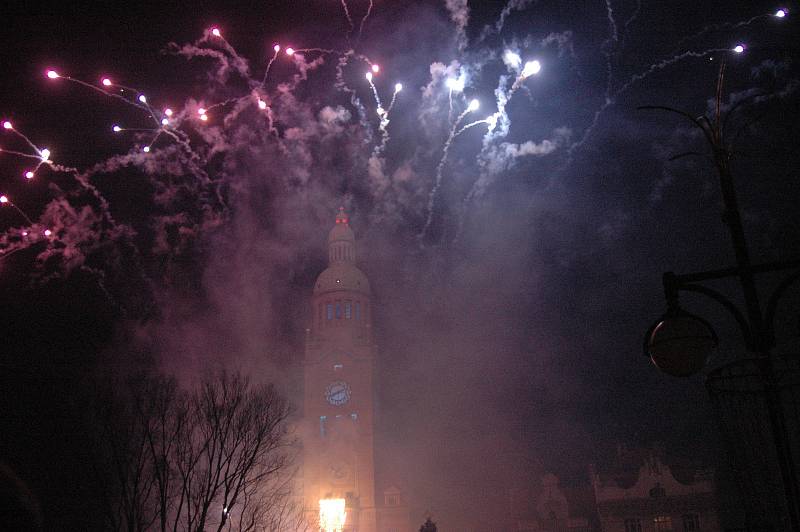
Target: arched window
{"type": "Point", "coordinates": [338, 310]}
{"type": "Point", "coordinates": [347, 310]}
{"type": "Point", "coordinates": [329, 309]}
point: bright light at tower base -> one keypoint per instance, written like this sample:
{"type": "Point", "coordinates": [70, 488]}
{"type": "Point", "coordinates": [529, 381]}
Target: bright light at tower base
{"type": "Point", "coordinates": [332, 515]}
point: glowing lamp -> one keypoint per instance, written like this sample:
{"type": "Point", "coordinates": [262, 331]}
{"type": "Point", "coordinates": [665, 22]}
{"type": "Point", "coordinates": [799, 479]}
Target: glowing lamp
{"type": "Point", "coordinates": [8, 125]}
{"type": "Point", "coordinates": [204, 118]}
{"type": "Point", "coordinates": [781, 13]}
{"type": "Point", "coordinates": [332, 515]}
{"type": "Point", "coordinates": [739, 48]}
{"type": "Point", "coordinates": [473, 105]}
{"type": "Point", "coordinates": [277, 48]}
{"type": "Point", "coordinates": [116, 129]}
{"type": "Point", "coordinates": [52, 74]}
{"type": "Point", "coordinates": [3, 199]}
{"type": "Point", "coordinates": [143, 98]}
{"type": "Point", "coordinates": [368, 75]}
{"type": "Point", "coordinates": [47, 232]}
{"type": "Point", "coordinates": [168, 112]}
{"type": "Point", "coordinates": [45, 153]}
{"type": "Point", "coordinates": [531, 68]}
{"type": "Point", "coordinates": [215, 32]}
{"type": "Point", "coordinates": [106, 82]}
{"type": "Point", "coordinates": [201, 111]}
{"type": "Point", "coordinates": [398, 87]}
{"type": "Point", "coordinates": [146, 149]}
{"type": "Point", "coordinates": [28, 175]}
{"type": "Point", "coordinates": [679, 344]}
{"type": "Point", "coordinates": [262, 104]}
{"type": "Point", "coordinates": [376, 68]}
{"type": "Point", "coordinates": [164, 121]}
{"type": "Point", "coordinates": [290, 51]}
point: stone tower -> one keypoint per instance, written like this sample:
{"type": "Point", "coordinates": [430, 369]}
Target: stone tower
{"type": "Point", "coordinates": [338, 404]}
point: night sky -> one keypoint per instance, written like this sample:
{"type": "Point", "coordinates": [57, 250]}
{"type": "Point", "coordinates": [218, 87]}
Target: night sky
{"type": "Point", "coordinates": [513, 282]}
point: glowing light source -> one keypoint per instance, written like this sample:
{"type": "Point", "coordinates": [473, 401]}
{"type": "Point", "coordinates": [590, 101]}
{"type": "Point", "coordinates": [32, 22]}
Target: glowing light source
{"type": "Point", "coordinates": [201, 111]}
{"type": "Point", "coordinates": [262, 104]}
{"type": "Point", "coordinates": [512, 59]}
{"type": "Point", "coordinates": [290, 51]}
{"type": "Point", "coordinates": [376, 68]}
{"type": "Point", "coordinates": [398, 87]}
{"type": "Point", "coordinates": [8, 125]}
{"type": "Point", "coordinates": [45, 153]}
{"type": "Point", "coordinates": [106, 82]}
{"type": "Point", "coordinates": [455, 84]}
{"type": "Point", "coordinates": [168, 111]}
{"type": "Point", "coordinates": [215, 32]}
{"type": "Point", "coordinates": [277, 48]}
{"type": "Point", "coordinates": [332, 515]}
{"type": "Point", "coordinates": [29, 175]}
{"type": "Point", "coordinates": [368, 75]}
{"type": "Point", "coordinates": [531, 68]}
{"type": "Point", "coordinates": [164, 121]}
{"type": "Point", "coordinates": [47, 232]}
{"type": "Point", "coordinates": [146, 149]}
{"type": "Point", "coordinates": [4, 199]}
{"type": "Point", "coordinates": [473, 105]}
{"type": "Point", "coordinates": [143, 98]}
{"type": "Point", "coordinates": [116, 129]}
{"type": "Point", "coordinates": [739, 48]}
{"type": "Point", "coordinates": [781, 13]}
{"type": "Point", "coordinates": [204, 118]}
{"type": "Point", "coordinates": [52, 74]}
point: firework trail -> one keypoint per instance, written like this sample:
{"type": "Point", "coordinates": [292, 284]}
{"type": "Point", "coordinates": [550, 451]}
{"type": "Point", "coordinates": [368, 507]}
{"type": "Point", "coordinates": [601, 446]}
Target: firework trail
{"type": "Point", "coordinates": [655, 67]}
{"type": "Point", "coordinates": [473, 106]}
{"type": "Point", "coordinates": [363, 21]}
{"type": "Point", "coordinates": [722, 26]}
{"type": "Point", "coordinates": [349, 18]}
{"type": "Point", "coordinates": [276, 50]}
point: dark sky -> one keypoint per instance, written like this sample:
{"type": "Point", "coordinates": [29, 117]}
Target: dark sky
{"type": "Point", "coordinates": [511, 313]}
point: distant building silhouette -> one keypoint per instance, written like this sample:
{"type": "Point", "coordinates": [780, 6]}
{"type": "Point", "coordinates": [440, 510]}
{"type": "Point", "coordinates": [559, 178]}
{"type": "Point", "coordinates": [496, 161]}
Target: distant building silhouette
{"type": "Point", "coordinates": [635, 492]}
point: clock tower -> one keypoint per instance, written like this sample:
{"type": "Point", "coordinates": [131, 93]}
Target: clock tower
{"type": "Point", "coordinates": [338, 406]}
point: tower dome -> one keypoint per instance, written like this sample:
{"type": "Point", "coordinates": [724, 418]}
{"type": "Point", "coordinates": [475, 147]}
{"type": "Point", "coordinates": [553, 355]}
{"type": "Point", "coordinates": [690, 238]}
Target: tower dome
{"type": "Point", "coordinates": [342, 273]}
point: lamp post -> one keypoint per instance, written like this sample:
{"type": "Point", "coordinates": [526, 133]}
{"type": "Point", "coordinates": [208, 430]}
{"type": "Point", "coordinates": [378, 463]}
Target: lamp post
{"type": "Point", "coordinates": [680, 343]}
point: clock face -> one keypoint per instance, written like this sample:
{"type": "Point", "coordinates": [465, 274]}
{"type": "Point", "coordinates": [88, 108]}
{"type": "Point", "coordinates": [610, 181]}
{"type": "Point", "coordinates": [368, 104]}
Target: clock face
{"type": "Point", "coordinates": [337, 393]}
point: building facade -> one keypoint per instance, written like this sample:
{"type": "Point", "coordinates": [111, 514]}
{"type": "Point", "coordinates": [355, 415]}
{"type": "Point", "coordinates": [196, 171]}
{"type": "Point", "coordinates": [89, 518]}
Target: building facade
{"type": "Point", "coordinates": [339, 396]}
{"type": "Point", "coordinates": [656, 501]}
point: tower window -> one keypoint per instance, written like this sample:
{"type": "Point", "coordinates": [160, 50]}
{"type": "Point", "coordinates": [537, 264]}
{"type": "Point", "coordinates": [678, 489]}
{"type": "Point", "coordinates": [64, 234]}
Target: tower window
{"type": "Point", "coordinates": [347, 310]}
{"type": "Point", "coordinates": [338, 310]}
{"type": "Point", "coordinates": [322, 421]}
{"type": "Point", "coordinates": [329, 308]}
{"type": "Point", "coordinates": [358, 310]}
{"type": "Point", "coordinates": [662, 523]}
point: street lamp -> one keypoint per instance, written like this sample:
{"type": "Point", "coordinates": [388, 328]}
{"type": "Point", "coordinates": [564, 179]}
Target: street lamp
{"type": "Point", "coordinates": [680, 343]}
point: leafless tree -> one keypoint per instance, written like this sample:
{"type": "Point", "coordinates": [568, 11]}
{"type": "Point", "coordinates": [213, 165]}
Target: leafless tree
{"type": "Point", "coordinates": [216, 458]}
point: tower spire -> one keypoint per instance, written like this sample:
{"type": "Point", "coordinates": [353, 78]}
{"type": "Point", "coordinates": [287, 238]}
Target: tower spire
{"type": "Point", "coordinates": [341, 240]}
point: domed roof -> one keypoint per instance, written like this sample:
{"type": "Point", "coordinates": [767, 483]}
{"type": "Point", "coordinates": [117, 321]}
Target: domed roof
{"type": "Point", "coordinates": [341, 276]}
